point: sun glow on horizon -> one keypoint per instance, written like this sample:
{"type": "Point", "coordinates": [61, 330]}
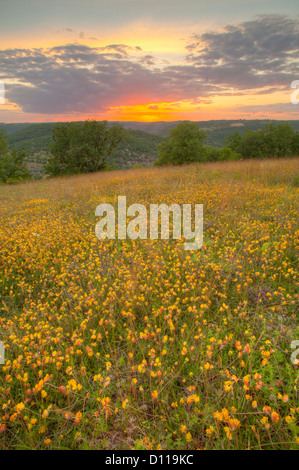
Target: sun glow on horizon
{"type": "Point", "coordinates": [213, 108]}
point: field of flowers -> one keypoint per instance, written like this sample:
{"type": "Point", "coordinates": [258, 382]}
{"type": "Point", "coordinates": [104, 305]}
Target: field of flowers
{"type": "Point", "coordinates": [123, 344]}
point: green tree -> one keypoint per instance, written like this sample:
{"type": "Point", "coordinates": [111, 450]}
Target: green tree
{"type": "Point", "coordinates": [184, 144]}
{"type": "Point", "coordinates": [233, 140]}
{"type": "Point", "coordinates": [227, 153]}
{"type": "Point", "coordinates": [278, 140]}
{"type": "Point", "coordinates": [12, 165]}
{"type": "Point", "coordinates": [252, 145]}
{"type": "Point", "coordinates": [82, 147]}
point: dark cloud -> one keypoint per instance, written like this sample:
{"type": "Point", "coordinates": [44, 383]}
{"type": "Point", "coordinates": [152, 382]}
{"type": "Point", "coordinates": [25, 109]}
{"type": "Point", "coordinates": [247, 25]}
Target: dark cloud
{"type": "Point", "coordinates": [77, 78]}
{"type": "Point", "coordinates": [259, 55]}
{"type": "Point", "coordinates": [148, 59]}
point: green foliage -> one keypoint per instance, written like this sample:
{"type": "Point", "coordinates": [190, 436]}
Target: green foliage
{"type": "Point", "coordinates": [225, 153]}
{"type": "Point", "coordinates": [211, 153]}
{"type": "Point", "coordinates": [3, 143]}
{"type": "Point", "coordinates": [295, 144]}
{"type": "Point", "coordinates": [183, 145]}
{"type": "Point", "coordinates": [82, 147]}
{"type": "Point", "coordinates": [271, 141]}
{"type": "Point", "coordinates": [141, 147]}
{"type": "Point", "coordinates": [34, 138]}
{"type": "Point", "coordinates": [12, 165]}
{"type": "Point", "coordinates": [233, 140]}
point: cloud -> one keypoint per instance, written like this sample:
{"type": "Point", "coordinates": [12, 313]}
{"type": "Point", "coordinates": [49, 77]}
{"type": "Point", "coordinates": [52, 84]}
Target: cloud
{"type": "Point", "coordinates": [78, 78]}
{"type": "Point", "coordinates": [147, 60]}
{"type": "Point", "coordinates": [258, 56]}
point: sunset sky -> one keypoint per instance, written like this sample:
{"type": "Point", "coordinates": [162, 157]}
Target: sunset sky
{"type": "Point", "coordinates": [148, 60]}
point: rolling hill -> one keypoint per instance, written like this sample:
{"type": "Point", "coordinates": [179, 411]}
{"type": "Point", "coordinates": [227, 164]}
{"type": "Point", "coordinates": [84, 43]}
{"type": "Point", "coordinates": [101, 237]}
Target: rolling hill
{"type": "Point", "coordinates": [140, 147]}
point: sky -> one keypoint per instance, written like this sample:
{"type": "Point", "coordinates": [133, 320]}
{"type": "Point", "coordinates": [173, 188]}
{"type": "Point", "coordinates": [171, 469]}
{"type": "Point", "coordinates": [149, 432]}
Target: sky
{"type": "Point", "coordinates": [148, 60]}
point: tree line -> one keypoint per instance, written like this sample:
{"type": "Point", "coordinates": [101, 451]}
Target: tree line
{"type": "Point", "coordinates": [84, 147]}
{"type": "Point", "coordinates": [185, 143]}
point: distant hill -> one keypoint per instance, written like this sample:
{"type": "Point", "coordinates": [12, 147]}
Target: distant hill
{"type": "Point", "coordinates": [139, 149]}
{"type": "Point", "coordinates": [10, 128]}
{"type": "Point", "coordinates": [32, 138]}
{"type": "Point", "coordinates": [141, 146]}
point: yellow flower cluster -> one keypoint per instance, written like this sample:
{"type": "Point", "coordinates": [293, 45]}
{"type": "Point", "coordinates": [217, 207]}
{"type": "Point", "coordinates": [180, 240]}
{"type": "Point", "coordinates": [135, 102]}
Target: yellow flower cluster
{"type": "Point", "coordinates": [139, 343]}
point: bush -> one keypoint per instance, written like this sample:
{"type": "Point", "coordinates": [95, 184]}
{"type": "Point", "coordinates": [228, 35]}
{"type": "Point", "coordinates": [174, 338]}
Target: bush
{"type": "Point", "coordinates": [228, 154]}
{"type": "Point", "coordinates": [211, 153]}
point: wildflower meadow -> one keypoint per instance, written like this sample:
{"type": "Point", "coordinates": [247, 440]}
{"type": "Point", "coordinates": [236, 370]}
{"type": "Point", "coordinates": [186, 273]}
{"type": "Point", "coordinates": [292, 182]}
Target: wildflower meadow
{"type": "Point", "coordinates": [141, 344]}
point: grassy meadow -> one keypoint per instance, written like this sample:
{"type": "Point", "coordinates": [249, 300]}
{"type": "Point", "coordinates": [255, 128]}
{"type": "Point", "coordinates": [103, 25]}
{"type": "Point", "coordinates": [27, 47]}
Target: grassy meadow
{"type": "Point", "coordinates": [140, 344]}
